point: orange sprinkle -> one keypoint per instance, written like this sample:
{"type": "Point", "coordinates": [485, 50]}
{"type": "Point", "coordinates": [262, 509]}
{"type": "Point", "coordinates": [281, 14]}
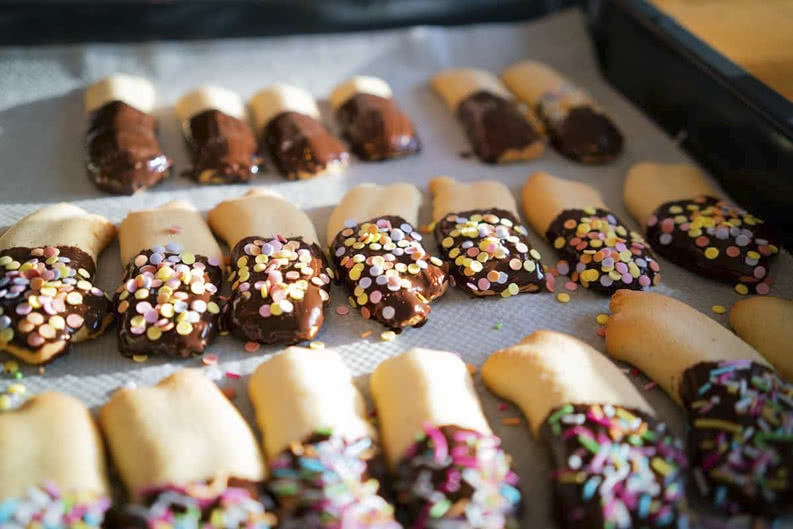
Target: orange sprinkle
{"type": "Point", "coordinates": [511, 421]}
{"type": "Point", "coordinates": [366, 334]}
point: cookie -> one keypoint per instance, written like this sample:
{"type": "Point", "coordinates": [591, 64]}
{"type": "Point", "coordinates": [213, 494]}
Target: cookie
{"type": "Point", "coordinates": [219, 137]}
{"type": "Point", "coordinates": [123, 154]}
{"type": "Point", "coordinates": [480, 234]}
{"type": "Point", "coordinates": [371, 121]}
{"type": "Point", "coordinates": [740, 410]}
{"type": "Point", "coordinates": [48, 299]}
{"type": "Point", "coordinates": [168, 302]}
{"type": "Point", "coordinates": [578, 128]}
{"type": "Point", "coordinates": [498, 130]}
{"type": "Point", "coordinates": [63, 482]}
{"type": "Point", "coordinates": [596, 425]}
{"type": "Point", "coordinates": [280, 281]}
{"type": "Point", "coordinates": [765, 324]}
{"type": "Point", "coordinates": [601, 251]}
{"type": "Point", "coordinates": [690, 225]}
{"type": "Point", "coordinates": [450, 470]}
{"type": "Point", "coordinates": [320, 445]}
{"type": "Point", "coordinates": [288, 122]}
{"type": "Point", "coordinates": [379, 255]}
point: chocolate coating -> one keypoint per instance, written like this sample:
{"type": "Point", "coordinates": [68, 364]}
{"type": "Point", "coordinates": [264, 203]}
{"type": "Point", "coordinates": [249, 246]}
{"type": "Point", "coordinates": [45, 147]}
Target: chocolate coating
{"type": "Point", "coordinates": [614, 467]}
{"type": "Point", "coordinates": [300, 146]}
{"type": "Point", "coordinates": [494, 126]}
{"type": "Point", "coordinates": [488, 252]}
{"type": "Point", "coordinates": [714, 239]}
{"type": "Point", "coordinates": [167, 304]}
{"type": "Point", "coordinates": [269, 272]}
{"type": "Point", "coordinates": [387, 271]}
{"type": "Point", "coordinates": [376, 128]}
{"type": "Point", "coordinates": [454, 478]}
{"type": "Point", "coordinates": [741, 435]}
{"type": "Point", "coordinates": [602, 253]}
{"type": "Point", "coordinates": [222, 147]}
{"type": "Point", "coordinates": [47, 296]}
{"type": "Point", "coordinates": [123, 153]}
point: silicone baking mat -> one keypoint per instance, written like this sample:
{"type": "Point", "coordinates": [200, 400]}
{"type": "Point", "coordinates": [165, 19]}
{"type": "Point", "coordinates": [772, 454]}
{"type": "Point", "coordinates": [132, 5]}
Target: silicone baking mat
{"type": "Point", "coordinates": [41, 148]}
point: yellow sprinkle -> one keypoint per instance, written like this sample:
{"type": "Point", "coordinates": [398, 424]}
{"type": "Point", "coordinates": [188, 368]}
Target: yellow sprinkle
{"type": "Point", "coordinates": [661, 466]}
{"type": "Point", "coordinates": [17, 389]}
{"type": "Point", "coordinates": [6, 335]}
{"type": "Point", "coordinates": [11, 367]}
{"type": "Point", "coordinates": [184, 328]}
{"type": "Point", "coordinates": [513, 289]}
{"type": "Point", "coordinates": [718, 309]}
{"type": "Point", "coordinates": [711, 252]}
{"type": "Point", "coordinates": [154, 333]}
{"type": "Point", "coordinates": [563, 297]}
{"type": "Point", "coordinates": [74, 298]}
{"type": "Point", "coordinates": [511, 421]}
{"type": "Point", "coordinates": [717, 424]}
{"type": "Point", "coordinates": [387, 336]}
{"type": "Point", "coordinates": [741, 289]}
{"type": "Point", "coordinates": [602, 318]}
{"type": "Point", "coordinates": [213, 308]}
{"type": "Point", "coordinates": [188, 258]}
{"type": "Point", "coordinates": [535, 254]}
{"type": "Point", "coordinates": [275, 309]}
{"type": "Point", "coordinates": [447, 242]}
{"type": "Point", "coordinates": [414, 269]}
{"type": "Point", "coordinates": [316, 345]}
{"type": "Point", "coordinates": [558, 243]}
{"type": "Point", "coordinates": [751, 254]}
{"type": "Point", "coordinates": [590, 275]}
{"type": "Point", "coordinates": [141, 293]}
{"type": "Point", "coordinates": [5, 402]}
{"type": "Point", "coordinates": [140, 358]}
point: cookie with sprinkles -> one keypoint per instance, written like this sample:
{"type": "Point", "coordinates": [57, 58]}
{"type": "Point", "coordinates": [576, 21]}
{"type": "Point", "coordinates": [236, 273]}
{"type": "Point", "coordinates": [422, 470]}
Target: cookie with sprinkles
{"type": "Point", "coordinates": [52, 484]}
{"type": "Point", "coordinates": [498, 130]}
{"type": "Point", "coordinates": [479, 232]}
{"type": "Point", "coordinates": [602, 252]}
{"type": "Point", "coordinates": [48, 299]}
{"type": "Point", "coordinates": [380, 258]}
{"type": "Point", "coordinates": [687, 223]}
{"type": "Point", "coordinates": [614, 464]}
{"type": "Point", "coordinates": [450, 470]}
{"type": "Point", "coordinates": [764, 323]}
{"type": "Point", "coordinates": [322, 451]}
{"type": "Point", "coordinates": [577, 126]}
{"type": "Point", "coordinates": [288, 123]}
{"type": "Point", "coordinates": [218, 135]}
{"type": "Point", "coordinates": [168, 301]}
{"type": "Point", "coordinates": [740, 411]}
{"type": "Point", "coordinates": [279, 278]}
{"type": "Point", "coordinates": [123, 154]}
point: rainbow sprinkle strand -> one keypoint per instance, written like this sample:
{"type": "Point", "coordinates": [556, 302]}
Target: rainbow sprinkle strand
{"type": "Point", "coordinates": [714, 239]}
{"type": "Point", "coordinates": [453, 478]}
{"type": "Point", "coordinates": [46, 507]}
{"type": "Point", "coordinates": [604, 255]}
{"type": "Point", "coordinates": [490, 252]}
{"type": "Point", "coordinates": [741, 437]}
{"type": "Point", "coordinates": [325, 483]}
{"type": "Point", "coordinates": [615, 468]}
{"type": "Point", "coordinates": [195, 507]}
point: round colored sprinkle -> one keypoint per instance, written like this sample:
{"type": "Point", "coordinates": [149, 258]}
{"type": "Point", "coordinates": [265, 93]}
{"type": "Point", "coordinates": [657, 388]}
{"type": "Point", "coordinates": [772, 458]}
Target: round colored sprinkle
{"type": "Point", "coordinates": [741, 289]}
{"type": "Point", "coordinates": [252, 347]}
{"type": "Point", "coordinates": [387, 336]}
{"type": "Point", "coordinates": [209, 359]}
{"type": "Point", "coordinates": [563, 297]}
{"type": "Point", "coordinates": [316, 345]}
{"type": "Point", "coordinates": [718, 309]}
{"type": "Point", "coordinates": [140, 358]}
{"type": "Point", "coordinates": [341, 310]}
{"type": "Point", "coordinates": [602, 319]}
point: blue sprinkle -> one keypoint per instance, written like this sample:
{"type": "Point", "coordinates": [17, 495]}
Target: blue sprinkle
{"type": "Point", "coordinates": [92, 518]}
{"type": "Point", "coordinates": [285, 473]}
{"type": "Point", "coordinates": [721, 495]}
{"type": "Point", "coordinates": [590, 487]}
{"type": "Point", "coordinates": [312, 464]}
{"type": "Point", "coordinates": [705, 387]}
{"type": "Point", "coordinates": [510, 493]}
{"type": "Point", "coordinates": [644, 506]}
{"type": "Point", "coordinates": [7, 509]}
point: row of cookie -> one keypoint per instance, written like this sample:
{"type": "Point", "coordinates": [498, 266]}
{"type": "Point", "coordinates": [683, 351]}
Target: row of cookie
{"type": "Point", "coordinates": [124, 155]}
{"type": "Point", "coordinates": [169, 299]}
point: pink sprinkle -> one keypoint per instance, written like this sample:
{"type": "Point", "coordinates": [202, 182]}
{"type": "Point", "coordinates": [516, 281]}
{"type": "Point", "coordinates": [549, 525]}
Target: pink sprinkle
{"type": "Point", "coordinates": [762, 289]}
{"type": "Point", "coordinates": [601, 332]}
{"type": "Point", "coordinates": [570, 286]}
{"type": "Point", "coordinates": [563, 268]}
{"type": "Point", "coordinates": [264, 311]}
{"type": "Point", "coordinates": [209, 359]}
{"type": "Point", "coordinates": [650, 385]}
{"type": "Point", "coordinates": [502, 406]}
{"type": "Point", "coordinates": [252, 347]}
{"type": "Point", "coordinates": [231, 374]}
{"type": "Point", "coordinates": [74, 321]}
{"type": "Point", "coordinates": [376, 296]}
{"type": "Point", "coordinates": [342, 310]}
{"type": "Point", "coordinates": [175, 229]}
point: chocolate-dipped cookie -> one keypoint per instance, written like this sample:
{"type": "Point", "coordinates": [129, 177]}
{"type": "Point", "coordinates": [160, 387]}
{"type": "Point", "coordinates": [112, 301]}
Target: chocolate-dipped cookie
{"type": "Point", "coordinates": [218, 135]}
{"type": "Point", "coordinates": [578, 128]}
{"type": "Point", "coordinates": [478, 229]}
{"type": "Point", "coordinates": [687, 223]}
{"type": "Point", "coordinates": [371, 120]}
{"type": "Point", "coordinates": [123, 155]}
{"type": "Point", "coordinates": [186, 457]}
{"type": "Point", "coordinates": [740, 410]}
{"type": "Point", "coordinates": [601, 251]}
{"type": "Point", "coordinates": [498, 130]}
{"type": "Point", "coordinates": [320, 446]}
{"type": "Point", "coordinates": [52, 462]}
{"type": "Point", "coordinates": [280, 281]}
{"type": "Point", "coordinates": [168, 302]}
{"type": "Point", "coordinates": [449, 468]}
{"type": "Point", "coordinates": [48, 299]}
{"type": "Point", "coordinates": [290, 128]}
{"type": "Point", "coordinates": [379, 255]}
{"type": "Point", "coordinates": [615, 464]}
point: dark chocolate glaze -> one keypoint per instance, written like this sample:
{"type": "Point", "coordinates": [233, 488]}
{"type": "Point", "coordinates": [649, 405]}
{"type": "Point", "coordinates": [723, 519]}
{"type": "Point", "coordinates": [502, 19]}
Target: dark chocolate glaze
{"type": "Point", "coordinates": [744, 244]}
{"type": "Point", "coordinates": [404, 302]}
{"type": "Point", "coordinates": [170, 341]}
{"type": "Point", "coordinates": [57, 318]}
{"type": "Point", "coordinates": [222, 147]}
{"type": "Point", "coordinates": [306, 293]}
{"type": "Point", "coordinates": [123, 153]}
{"type": "Point", "coordinates": [619, 259]}
{"type": "Point", "coordinates": [494, 126]}
{"type": "Point", "coordinates": [300, 146]}
{"type": "Point", "coordinates": [328, 482]}
{"type": "Point", "coordinates": [744, 461]}
{"type": "Point", "coordinates": [433, 489]}
{"type": "Point", "coordinates": [376, 128]}
{"type": "Point", "coordinates": [643, 497]}
{"type": "Point", "coordinates": [585, 135]}
{"type": "Point", "coordinates": [463, 237]}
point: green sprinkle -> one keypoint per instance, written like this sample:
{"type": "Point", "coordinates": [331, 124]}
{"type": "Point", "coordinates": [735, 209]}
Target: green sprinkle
{"type": "Point", "coordinates": [498, 326]}
{"type": "Point", "coordinates": [440, 508]}
{"type": "Point", "coordinates": [760, 384]}
{"type": "Point", "coordinates": [590, 444]}
{"type": "Point", "coordinates": [323, 431]}
{"type": "Point", "coordinates": [18, 375]}
{"type": "Point", "coordinates": [564, 410]}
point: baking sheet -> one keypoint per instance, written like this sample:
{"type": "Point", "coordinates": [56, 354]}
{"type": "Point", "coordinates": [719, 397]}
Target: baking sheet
{"type": "Point", "coordinates": [41, 148]}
